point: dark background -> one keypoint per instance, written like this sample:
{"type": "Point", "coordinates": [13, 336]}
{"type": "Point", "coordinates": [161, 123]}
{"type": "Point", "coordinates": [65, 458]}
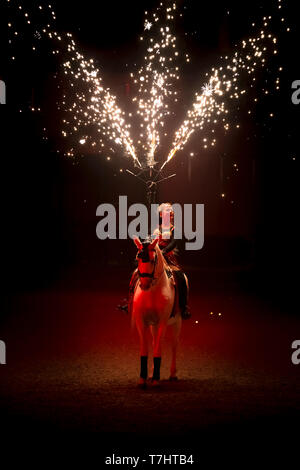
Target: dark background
{"type": "Point", "coordinates": [49, 203]}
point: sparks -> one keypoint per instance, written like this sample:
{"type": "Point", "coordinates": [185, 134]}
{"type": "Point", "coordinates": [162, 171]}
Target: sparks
{"type": "Point", "coordinates": [91, 113]}
{"type": "Point", "coordinates": [147, 26]}
{"type": "Point", "coordinates": [210, 108]}
{"type": "Point", "coordinates": [208, 89]}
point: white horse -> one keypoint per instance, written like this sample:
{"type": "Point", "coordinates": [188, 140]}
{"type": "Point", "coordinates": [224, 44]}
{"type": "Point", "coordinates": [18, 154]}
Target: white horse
{"type": "Point", "coordinates": [152, 306]}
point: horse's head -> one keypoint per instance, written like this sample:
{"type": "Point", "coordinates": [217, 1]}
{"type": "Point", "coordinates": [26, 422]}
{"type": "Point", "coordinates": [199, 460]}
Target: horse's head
{"type": "Point", "coordinates": [147, 260]}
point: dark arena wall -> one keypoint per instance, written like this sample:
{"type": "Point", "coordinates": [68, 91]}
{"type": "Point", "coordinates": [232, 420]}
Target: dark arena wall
{"type": "Point", "coordinates": [69, 357]}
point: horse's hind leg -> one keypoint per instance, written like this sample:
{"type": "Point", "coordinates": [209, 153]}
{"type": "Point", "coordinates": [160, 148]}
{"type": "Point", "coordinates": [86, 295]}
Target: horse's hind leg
{"type": "Point", "coordinates": [176, 327]}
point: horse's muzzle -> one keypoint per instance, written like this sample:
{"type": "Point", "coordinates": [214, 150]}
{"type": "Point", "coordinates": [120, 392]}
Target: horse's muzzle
{"type": "Point", "coordinates": [145, 283]}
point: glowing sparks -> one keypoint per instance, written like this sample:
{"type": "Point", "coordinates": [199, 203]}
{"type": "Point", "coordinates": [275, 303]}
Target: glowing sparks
{"type": "Point", "coordinates": [156, 80]}
{"type": "Point", "coordinates": [208, 89]}
{"type": "Point", "coordinates": [91, 114]}
{"type": "Point", "coordinates": [93, 106]}
{"type": "Point", "coordinates": [210, 107]}
{"type": "Point", "coordinates": [148, 25]}
{"type": "Point", "coordinates": [87, 104]}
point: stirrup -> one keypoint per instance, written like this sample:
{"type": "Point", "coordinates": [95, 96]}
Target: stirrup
{"type": "Point", "coordinates": [123, 308]}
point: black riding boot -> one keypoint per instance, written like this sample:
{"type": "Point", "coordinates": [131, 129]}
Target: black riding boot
{"type": "Point", "coordinates": [126, 305]}
{"type": "Point", "coordinates": [182, 294]}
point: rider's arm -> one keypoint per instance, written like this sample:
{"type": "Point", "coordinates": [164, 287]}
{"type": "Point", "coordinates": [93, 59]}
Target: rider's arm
{"type": "Point", "coordinates": [170, 246]}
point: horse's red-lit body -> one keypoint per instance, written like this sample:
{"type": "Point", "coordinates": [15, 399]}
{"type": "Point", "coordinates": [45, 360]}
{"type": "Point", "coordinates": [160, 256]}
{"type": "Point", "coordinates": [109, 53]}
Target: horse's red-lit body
{"type": "Point", "coordinates": [152, 307]}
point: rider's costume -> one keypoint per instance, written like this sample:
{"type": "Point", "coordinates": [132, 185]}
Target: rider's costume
{"type": "Point", "coordinates": [168, 247]}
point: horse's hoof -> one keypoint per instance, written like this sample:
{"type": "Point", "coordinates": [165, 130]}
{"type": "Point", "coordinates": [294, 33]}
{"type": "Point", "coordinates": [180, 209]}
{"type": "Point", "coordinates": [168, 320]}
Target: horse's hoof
{"type": "Point", "coordinates": [155, 383]}
{"type": "Point", "coordinates": [173, 378]}
{"type": "Point", "coordinates": [142, 384]}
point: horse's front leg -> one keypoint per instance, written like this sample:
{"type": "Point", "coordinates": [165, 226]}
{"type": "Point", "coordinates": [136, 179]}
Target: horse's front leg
{"type": "Point", "coordinates": [176, 327]}
{"type": "Point", "coordinates": [157, 345]}
{"type": "Point", "coordinates": [142, 330]}
{"type": "Point", "coordinates": [154, 331]}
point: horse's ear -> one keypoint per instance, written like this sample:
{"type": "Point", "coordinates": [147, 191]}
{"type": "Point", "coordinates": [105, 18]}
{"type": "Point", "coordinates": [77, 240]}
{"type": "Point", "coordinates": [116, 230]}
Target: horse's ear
{"type": "Point", "coordinates": [154, 243]}
{"type": "Point", "coordinates": [138, 243]}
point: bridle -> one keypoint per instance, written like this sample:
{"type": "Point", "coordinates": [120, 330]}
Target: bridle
{"type": "Point", "coordinates": [144, 256]}
{"type": "Point", "coordinates": [150, 275]}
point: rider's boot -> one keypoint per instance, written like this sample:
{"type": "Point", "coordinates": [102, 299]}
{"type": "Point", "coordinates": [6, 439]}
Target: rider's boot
{"type": "Point", "coordinates": [126, 306]}
{"type": "Point", "coordinates": [183, 295]}
{"type": "Point", "coordinates": [123, 306]}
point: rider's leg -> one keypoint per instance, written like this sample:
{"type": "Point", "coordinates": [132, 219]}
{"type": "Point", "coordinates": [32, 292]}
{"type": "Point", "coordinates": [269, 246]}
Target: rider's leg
{"type": "Point", "coordinates": [133, 280]}
{"type": "Point", "coordinates": [127, 306]}
{"type": "Point", "coordinates": [182, 294]}
{"type": "Point", "coordinates": [132, 284]}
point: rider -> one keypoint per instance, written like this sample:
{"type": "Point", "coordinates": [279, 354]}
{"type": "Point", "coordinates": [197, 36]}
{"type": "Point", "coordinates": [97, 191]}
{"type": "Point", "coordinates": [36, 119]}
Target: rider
{"type": "Point", "coordinates": [167, 244]}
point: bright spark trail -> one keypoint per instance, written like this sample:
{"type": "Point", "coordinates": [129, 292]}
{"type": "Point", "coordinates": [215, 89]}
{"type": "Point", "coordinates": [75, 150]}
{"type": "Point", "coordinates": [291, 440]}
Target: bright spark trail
{"type": "Point", "coordinates": [210, 106]}
{"type": "Point", "coordinates": [92, 103]}
{"type": "Point", "coordinates": [91, 113]}
{"type": "Point", "coordinates": [157, 78]}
